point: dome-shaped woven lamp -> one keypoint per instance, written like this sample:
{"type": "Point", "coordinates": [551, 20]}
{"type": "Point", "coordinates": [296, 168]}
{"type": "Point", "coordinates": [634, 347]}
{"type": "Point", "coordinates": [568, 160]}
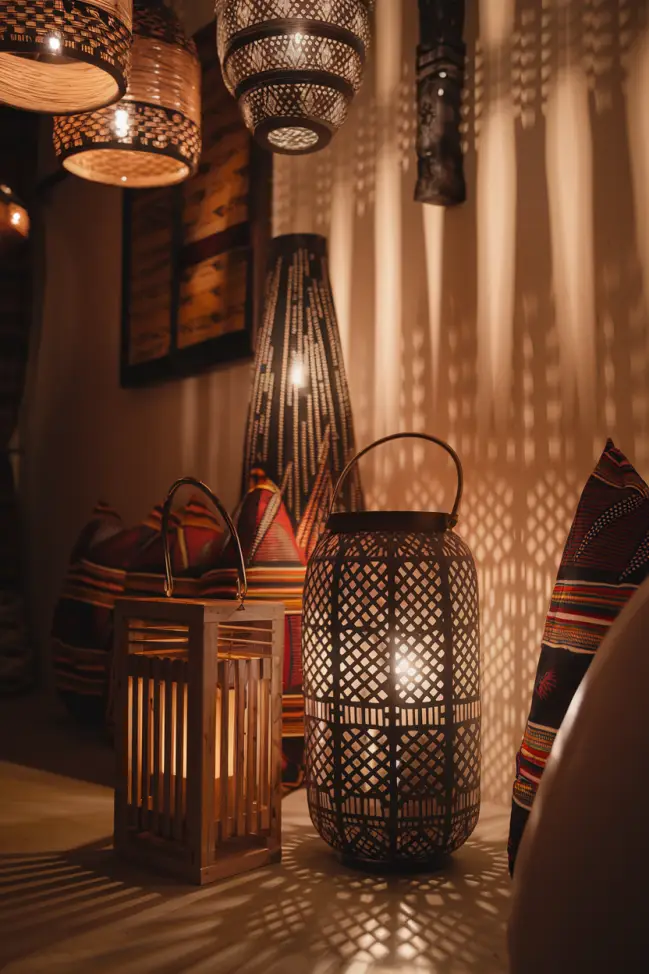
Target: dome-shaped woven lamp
{"type": "Point", "coordinates": [293, 65]}
{"type": "Point", "coordinates": [61, 56]}
{"type": "Point", "coordinates": [14, 219]}
{"type": "Point", "coordinates": [152, 137]}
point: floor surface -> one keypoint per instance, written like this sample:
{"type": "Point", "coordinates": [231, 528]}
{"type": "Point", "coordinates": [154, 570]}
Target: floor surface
{"type": "Point", "coordinates": [68, 907]}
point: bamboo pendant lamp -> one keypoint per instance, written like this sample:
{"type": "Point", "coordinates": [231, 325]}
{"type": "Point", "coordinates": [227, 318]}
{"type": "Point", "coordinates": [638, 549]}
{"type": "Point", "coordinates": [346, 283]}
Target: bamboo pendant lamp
{"type": "Point", "coordinates": [14, 219]}
{"type": "Point", "coordinates": [294, 66]}
{"type": "Point", "coordinates": [62, 56]}
{"type": "Point", "coordinates": [152, 137]}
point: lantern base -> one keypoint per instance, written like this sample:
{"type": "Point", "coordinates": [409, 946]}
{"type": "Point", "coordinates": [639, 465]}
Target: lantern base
{"type": "Point", "coordinates": [398, 867]}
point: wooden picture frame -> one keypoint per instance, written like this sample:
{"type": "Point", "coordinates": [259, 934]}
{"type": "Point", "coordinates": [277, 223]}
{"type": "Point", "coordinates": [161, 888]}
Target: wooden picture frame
{"type": "Point", "coordinates": [194, 255]}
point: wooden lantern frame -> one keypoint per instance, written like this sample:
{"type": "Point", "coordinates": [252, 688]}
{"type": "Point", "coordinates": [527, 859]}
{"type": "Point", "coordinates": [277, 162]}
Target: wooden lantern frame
{"type": "Point", "coordinates": [198, 689]}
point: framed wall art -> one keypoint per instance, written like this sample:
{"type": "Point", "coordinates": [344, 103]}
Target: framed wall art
{"type": "Point", "coordinates": [194, 255]}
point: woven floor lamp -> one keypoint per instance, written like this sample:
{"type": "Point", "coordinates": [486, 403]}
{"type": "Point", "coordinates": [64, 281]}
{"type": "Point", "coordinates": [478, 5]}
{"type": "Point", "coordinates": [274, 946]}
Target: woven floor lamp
{"type": "Point", "coordinates": [152, 137]}
{"type": "Point", "coordinates": [61, 56]}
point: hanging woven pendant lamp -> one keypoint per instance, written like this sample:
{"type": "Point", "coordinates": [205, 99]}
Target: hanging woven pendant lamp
{"type": "Point", "coordinates": [14, 219]}
{"type": "Point", "coordinates": [294, 66]}
{"type": "Point", "coordinates": [152, 137]}
{"type": "Point", "coordinates": [61, 56]}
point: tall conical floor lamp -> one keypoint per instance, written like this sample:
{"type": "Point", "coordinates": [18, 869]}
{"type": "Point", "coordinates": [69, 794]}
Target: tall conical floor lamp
{"type": "Point", "coordinates": [300, 432]}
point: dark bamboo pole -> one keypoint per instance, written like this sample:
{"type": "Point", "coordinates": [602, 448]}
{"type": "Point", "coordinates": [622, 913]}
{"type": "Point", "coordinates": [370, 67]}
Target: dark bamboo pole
{"type": "Point", "coordinates": [440, 79]}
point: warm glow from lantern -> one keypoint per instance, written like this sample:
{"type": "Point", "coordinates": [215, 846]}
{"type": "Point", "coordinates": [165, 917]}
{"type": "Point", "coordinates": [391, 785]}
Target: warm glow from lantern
{"type": "Point", "coordinates": [121, 123]}
{"type": "Point", "coordinates": [15, 217]}
{"type": "Point", "coordinates": [298, 373]}
{"type": "Point", "coordinates": [54, 43]}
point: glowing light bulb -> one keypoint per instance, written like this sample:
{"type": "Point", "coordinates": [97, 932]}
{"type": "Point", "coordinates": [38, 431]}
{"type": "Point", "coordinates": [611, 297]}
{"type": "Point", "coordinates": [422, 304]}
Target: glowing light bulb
{"type": "Point", "coordinates": [15, 218]}
{"type": "Point", "coordinates": [121, 123]}
{"type": "Point", "coordinates": [442, 74]}
{"type": "Point", "coordinates": [297, 376]}
{"type": "Point", "coordinates": [54, 43]}
{"type": "Point", "coordinates": [123, 179]}
{"type": "Point", "coordinates": [440, 92]}
{"type": "Point", "coordinates": [298, 37]}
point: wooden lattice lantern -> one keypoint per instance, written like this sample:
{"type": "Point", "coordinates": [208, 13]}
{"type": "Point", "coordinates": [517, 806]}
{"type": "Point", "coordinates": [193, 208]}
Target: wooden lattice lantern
{"type": "Point", "coordinates": [392, 684]}
{"type": "Point", "coordinates": [198, 728]}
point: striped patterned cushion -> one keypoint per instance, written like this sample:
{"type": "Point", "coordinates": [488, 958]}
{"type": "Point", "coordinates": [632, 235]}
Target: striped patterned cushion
{"type": "Point", "coordinates": [605, 560]}
{"type": "Point", "coordinates": [125, 562]}
{"type": "Point", "coordinates": [275, 567]}
{"type": "Point", "coordinates": [82, 627]}
{"type": "Point", "coordinates": [195, 542]}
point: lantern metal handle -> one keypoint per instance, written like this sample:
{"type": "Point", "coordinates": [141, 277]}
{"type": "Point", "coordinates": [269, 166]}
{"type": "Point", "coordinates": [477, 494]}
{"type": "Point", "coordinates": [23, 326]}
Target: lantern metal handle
{"type": "Point", "coordinates": [242, 582]}
{"type": "Point", "coordinates": [453, 517]}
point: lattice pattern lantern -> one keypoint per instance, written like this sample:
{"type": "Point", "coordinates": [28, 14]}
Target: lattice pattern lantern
{"type": "Point", "coordinates": [294, 66]}
{"type": "Point", "coordinates": [392, 684]}
{"type": "Point", "coordinates": [152, 136]}
{"type": "Point", "coordinates": [61, 56]}
{"type": "Point", "coordinates": [198, 690]}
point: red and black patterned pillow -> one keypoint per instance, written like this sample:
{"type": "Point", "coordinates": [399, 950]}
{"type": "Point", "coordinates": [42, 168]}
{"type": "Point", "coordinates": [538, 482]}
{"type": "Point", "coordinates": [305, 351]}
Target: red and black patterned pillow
{"type": "Point", "coordinates": [275, 567]}
{"type": "Point", "coordinates": [106, 565]}
{"type": "Point", "coordinates": [606, 558]}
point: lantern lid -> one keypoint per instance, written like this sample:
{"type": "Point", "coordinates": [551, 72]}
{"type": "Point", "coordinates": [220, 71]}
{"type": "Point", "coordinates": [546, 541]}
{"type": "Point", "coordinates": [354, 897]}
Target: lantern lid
{"type": "Point", "coordinates": [414, 522]}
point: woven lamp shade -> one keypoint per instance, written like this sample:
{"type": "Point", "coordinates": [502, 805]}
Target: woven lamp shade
{"type": "Point", "coordinates": [294, 66]}
{"type": "Point", "coordinates": [391, 657]}
{"type": "Point", "coordinates": [61, 56]}
{"type": "Point", "coordinates": [152, 137]}
{"type": "Point", "coordinates": [14, 219]}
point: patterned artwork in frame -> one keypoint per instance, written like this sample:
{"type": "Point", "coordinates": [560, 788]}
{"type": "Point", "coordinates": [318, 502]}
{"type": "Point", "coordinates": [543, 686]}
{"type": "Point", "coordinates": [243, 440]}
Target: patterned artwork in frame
{"type": "Point", "coordinates": [194, 255]}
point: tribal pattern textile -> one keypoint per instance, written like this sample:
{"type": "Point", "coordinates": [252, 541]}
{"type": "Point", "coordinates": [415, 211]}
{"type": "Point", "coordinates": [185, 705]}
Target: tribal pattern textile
{"type": "Point", "coordinates": [107, 563]}
{"type": "Point", "coordinates": [275, 568]}
{"type": "Point", "coordinates": [606, 558]}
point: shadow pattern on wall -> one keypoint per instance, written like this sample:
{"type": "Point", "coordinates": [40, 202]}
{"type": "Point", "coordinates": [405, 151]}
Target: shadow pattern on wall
{"type": "Point", "coordinates": [521, 319]}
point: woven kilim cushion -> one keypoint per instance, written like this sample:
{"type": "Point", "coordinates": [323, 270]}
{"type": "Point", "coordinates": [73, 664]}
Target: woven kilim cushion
{"type": "Point", "coordinates": [82, 627]}
{"type": "Point", "coordinates": [195, 544]}
{"type": "Point", "coordinates": [275, 567]}
{"type": "Point", "coordinates": [605, 560]}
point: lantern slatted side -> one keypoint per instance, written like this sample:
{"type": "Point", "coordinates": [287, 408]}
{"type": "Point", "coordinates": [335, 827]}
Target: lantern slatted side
{"type": "Point", "coordinates": [199, 735]}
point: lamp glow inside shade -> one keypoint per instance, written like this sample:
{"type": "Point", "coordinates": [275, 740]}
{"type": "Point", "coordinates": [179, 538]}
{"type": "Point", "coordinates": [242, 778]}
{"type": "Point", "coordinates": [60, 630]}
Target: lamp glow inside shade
{"type": "Point", "coordinates": [14, 219]}
{"type": "Point", "coordinates": [62, 56]}
{"type": "Point", "coordinates": [294, 66]}
{"type": "Point", "coordinates": [152, 137]}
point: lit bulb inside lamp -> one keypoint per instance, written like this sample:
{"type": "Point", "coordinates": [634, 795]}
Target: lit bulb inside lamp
{"type": "Point", "coordinates": [121, 123]}
{"type": "Point", "coordinates": [297, 375]}
{"type": "Point", "coordinates": [54, 43]}
{"type": "Point", "coordinates": [15, 218]}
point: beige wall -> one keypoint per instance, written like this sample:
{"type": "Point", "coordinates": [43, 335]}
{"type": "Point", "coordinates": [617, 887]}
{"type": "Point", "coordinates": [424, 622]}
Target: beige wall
{"type": "Point", "coordinates": [516, 325]}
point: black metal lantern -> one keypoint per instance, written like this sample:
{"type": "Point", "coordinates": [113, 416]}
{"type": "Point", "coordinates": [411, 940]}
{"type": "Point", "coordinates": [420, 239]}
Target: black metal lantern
{"type": "Point", "coordinates": [293, 65]}
{"type": "Point", "coordinates": [391, 657]}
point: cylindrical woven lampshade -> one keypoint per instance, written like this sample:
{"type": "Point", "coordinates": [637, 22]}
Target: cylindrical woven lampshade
{"type": "Point", "coordinates": [293, 65]}
{"type": "Point", "coordinates": [14, 219]}
{"type": "Point", "coordinates": [152, 137]}
{"type": "Point", "coordinates": [61, 56]}
{"type": "Point", "coordinates": [391, 656]}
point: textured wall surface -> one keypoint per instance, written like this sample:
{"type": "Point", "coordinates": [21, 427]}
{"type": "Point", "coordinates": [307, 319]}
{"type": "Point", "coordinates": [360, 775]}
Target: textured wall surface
{"type": "Point", "coordinates": [516, 326]}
